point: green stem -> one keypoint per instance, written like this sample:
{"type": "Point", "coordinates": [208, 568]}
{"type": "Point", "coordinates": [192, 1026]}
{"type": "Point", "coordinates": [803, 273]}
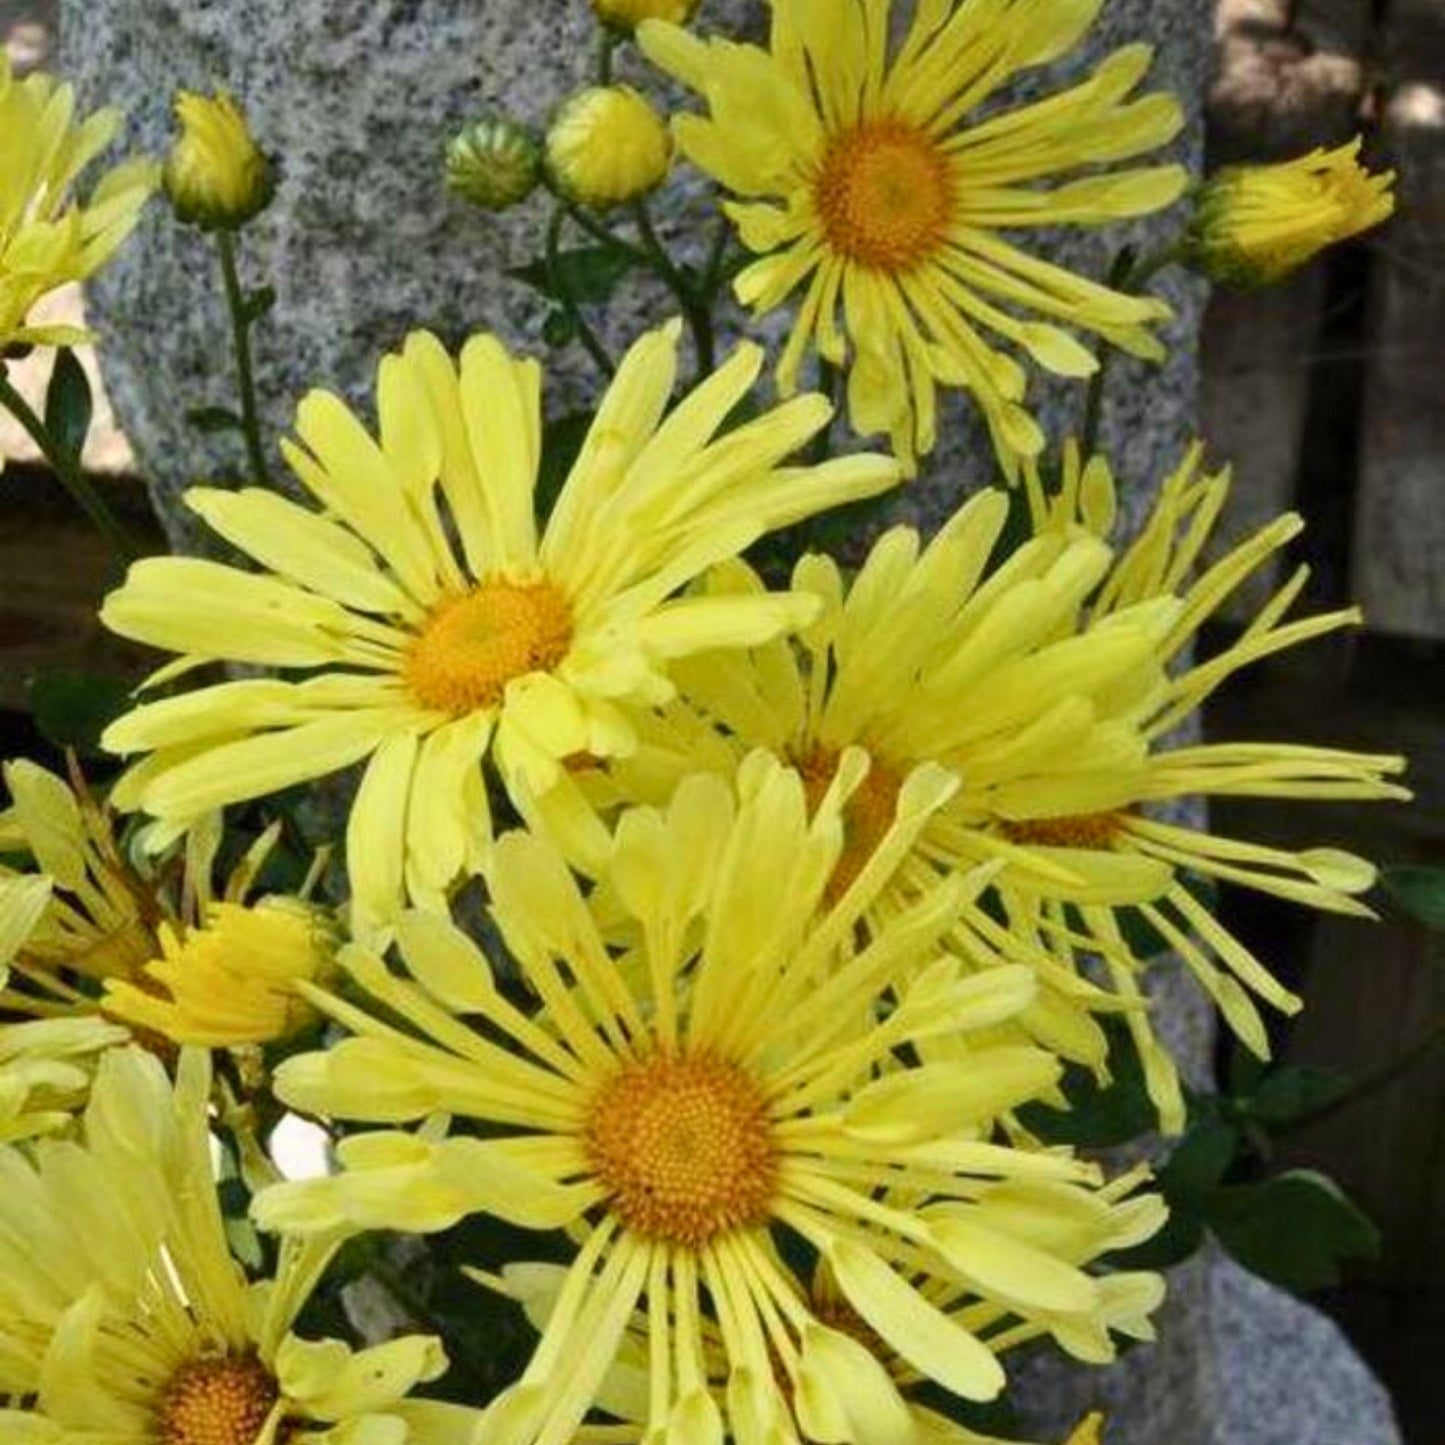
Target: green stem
{"type": "Point", "coordinates": [1127, 274]}
{"type": "Point", "coordinates": [712, 271]}
{"type": "Point", "coordinates": [1379, 1079]}
{"type": "Point", "coordinates": [828, 376]}
{"type": "Point", "coordinates": [594, 227]}
{"type": "Point", "coordinates": [241, 337]}
{"type": "Point", "coordinates": [606, 44]}
{"type": "Point", "coordinates": [68, 472]}
{"type": "Point", "coordinates": [585, 333]}
{"type": "Point", "coordinates": [694, 308]}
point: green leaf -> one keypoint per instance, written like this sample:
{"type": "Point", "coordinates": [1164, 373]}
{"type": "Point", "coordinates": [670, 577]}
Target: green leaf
{"type": "Point", "coordinates": [1098, 1117]}
{"type": "Point", "coordinates": [558, 329]}
{"type": "Point", "coordinates": [72, 709]}
{"type": "Point", "coordinates": [258, 304]}
{"type": "Point", "coordinates": [68, 404]}
{"type": "Point", "coordinates": [1201, 1158]}
{"type": "Point", "coordinates": [588, 273]}
{"type": "Point", "coordinates": [1293, 1229]}
{"type": "Point", "coordinates": [214, 419]}
{"type": "Point", "coordinates": [1420, 892]}
{"type": "Point", "coordinates": [1289, 1093]}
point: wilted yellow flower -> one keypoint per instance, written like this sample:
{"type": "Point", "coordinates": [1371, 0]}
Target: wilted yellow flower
{"type": "Point", "coordinates": [230, 980]}
{"type": "Point", "coordinates": [891, 182]}
{"type": "Point", "coordinates": [1255, 224]}
{"type": "Point", "coordinates": [46, 237]}
{"type": "Point", "coordinates": [625, 14]}
{"type": "Point", "coordinates": [494, 163]}
{"type": "Point", "coordinates": [676, 1110]}
{"type": "Point", "coordinates": [440, 625]}
{"type": "Point", "coordinates": [125, 1317]}
{"type": "Point", "coordinates": [216, 175]}
{"type": "Point", "coordinates": [608, 145]}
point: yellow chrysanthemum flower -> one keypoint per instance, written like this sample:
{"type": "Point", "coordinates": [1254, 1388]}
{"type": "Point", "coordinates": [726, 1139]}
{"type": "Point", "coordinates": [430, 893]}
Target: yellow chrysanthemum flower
{"type": "Point", "coordinates": [216, 175]}
{"type": "Point", "coordinates": [46, 237]}
{"type": "Point", "coordinates": [882, 179]}
{"type": "Point", "coordinates": [124, 1316]}
{"type": "Point", "coordinates": [927, 659]}
{"type": "Point", "coordinates": [525, 647]}
{"type": "Point", "coordinates": [1048, 688]}
{"type": "Point", "coordinates": [1254, 225]}
{"type": "Point", "coordinates": [1117, 842]}
{"type": "Point", "coordinates": [628, 14]}
{"type": "Point", "coordinates": [95, 948]}
{"type": "Point", "coordinates": [607, 146]}
{"type": "Point", "coordinates": [232, 980]}
{"type": "Point", "coordinates": [681, 1108]}
{"type": "Point", "coordinates": [1077, 1226]}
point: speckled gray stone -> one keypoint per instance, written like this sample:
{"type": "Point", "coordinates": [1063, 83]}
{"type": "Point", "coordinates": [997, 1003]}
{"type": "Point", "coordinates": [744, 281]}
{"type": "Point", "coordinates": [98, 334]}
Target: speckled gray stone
{"type": "Point", "coordinates": [362, 245]}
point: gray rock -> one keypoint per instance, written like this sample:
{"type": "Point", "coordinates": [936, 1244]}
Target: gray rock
{"type": "Point", "coordinates": [362, 245]}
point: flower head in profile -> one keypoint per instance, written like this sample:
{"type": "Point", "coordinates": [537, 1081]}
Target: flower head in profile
{"type": "Point", "coordinates": [99, 947]}
{"type": "Point", "coordinates": [628, 14]}
{"type": "Point", "coordinates": [889, 184]}
{"type": "Point", "coordinates": [1127, 839]}
{"type": "Point", "coordinates": [232, 978]}
{"type": "Point", "coordinates": [607, 146]}
{"type": "Point", "coordinates": [728, 1081]}
{"type": "Point", "coordinates": [216, 175]}
{"type": "Point", "coordinates": [1254, 225]}
{"type": "Point", "coordinates": [47, 237]}
{"type": "Point", "coordinates": [125, 1317]}
{"type": "Point", "coordinates": [438, 623]}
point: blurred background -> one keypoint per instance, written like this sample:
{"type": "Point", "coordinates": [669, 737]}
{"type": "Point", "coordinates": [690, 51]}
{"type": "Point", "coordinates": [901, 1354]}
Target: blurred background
{"type": "Point", "coordinates": [1326, 395]}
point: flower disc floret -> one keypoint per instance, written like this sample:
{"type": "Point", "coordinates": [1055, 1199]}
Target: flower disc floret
{"type": "Point", "coordinates": [685, 1146]}
{"type": "Point", "coordinates": [223, 1401]}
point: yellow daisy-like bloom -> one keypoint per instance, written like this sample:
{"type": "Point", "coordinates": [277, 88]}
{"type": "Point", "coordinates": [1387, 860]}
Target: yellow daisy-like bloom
{"type": "Point", "coordinates": [46, 237]}
{"type": "Point", "coordinates": [1254, 225]}
{"type": "Point", "coordinates": [97, 948]}
{"type": "Point", "coordinates": [1075, 1225]}
{"type": "Point", "coordinates": [867, 177]}
{"type": "Point", "coordinates": [232, 980]}
{"type": "Point", "coordinates": [124, 1317]}
{"type": "Point", "coordinates": [608, 146]}
{"type": "Point", "coordinates": [426, 658]}
{"type": "Point", "coordinates": [926, 659]}
{"type": "Point", "coordinates": [1118, 841]}
{"type": "Point", "coordinates": [680, 1109]}
{"type": "Point", "coordinates": [216, 174]}
{"type": "Point", "coordinates": [1048, 688]}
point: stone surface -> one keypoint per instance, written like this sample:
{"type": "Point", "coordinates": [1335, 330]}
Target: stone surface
{"type": "Point", "coordinates": [362, 245]}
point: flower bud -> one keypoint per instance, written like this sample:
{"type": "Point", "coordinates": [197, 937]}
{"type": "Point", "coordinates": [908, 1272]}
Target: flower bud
{"type": "Point", "coordinates": [608, 145]}
{"type": "Point", "coordinates": [629, 14]}
{"type": "Point", "coordinates": [216, 175]}
{"type": "Point", "coordinates": [1254, 225]}
{"type": "Point", "coordinates": [493, 164]}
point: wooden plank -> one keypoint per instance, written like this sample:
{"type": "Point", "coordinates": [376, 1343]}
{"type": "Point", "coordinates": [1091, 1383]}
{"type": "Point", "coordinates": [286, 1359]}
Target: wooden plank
{"type": "Point", "coordinates": [1400, 531]}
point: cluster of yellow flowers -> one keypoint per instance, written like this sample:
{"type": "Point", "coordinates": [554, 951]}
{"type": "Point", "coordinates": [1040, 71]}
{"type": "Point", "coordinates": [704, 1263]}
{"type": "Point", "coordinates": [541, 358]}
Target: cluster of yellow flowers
{"type": "Point", "coordinates": [806, 890]}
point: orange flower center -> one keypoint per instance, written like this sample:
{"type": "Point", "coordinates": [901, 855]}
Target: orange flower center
{"type": "Point", "coordinates": [1095, 831]}
{"type": "Point", "coordinates": [867, 815]}
{"type": "Point", "coordinates": [224, 1401]}
{"type": "Point", "coordinates": [685, 1147]}
{"type": "Point", "coordinates": [885, 195]}
{"type": "Point", "coordinates": [472, 646]}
